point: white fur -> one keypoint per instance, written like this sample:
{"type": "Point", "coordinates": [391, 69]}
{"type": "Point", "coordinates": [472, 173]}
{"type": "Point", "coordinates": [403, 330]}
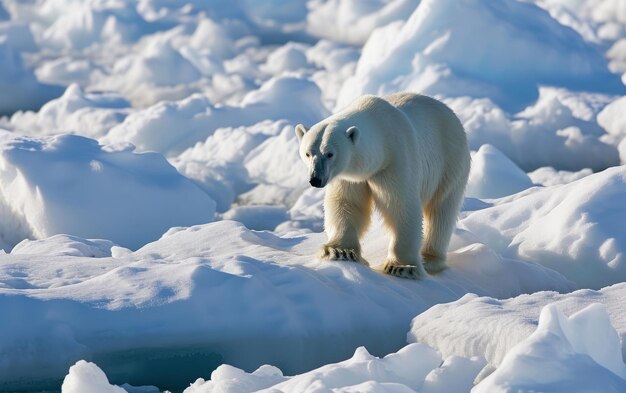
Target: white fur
{"type": "Point", "coordinates": [408, 157]}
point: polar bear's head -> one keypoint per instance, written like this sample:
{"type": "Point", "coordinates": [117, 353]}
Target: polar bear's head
{"type": "Point", "coordinates": [327, 150]}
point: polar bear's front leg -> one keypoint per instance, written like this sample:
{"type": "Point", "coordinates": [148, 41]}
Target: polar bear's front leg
{"type": "Point", "coordinates": [347, 211]}
{"type": "Point", "coordinates": [402, 213]}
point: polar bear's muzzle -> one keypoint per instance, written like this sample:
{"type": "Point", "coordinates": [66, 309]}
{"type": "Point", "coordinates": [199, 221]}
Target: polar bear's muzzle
{"type": "Point", "coordinates": [316, 182]}
{"type": "Point", "coordinates": [319, 175]}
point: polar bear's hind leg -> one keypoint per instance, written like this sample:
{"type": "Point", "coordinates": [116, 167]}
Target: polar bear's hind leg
{"type": "Point", "coordinates": [440, 220]}
{"type": "Point", "coordinates": [403, 219]}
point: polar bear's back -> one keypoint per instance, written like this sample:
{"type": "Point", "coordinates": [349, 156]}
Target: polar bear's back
{"type": "Point", "coordinates": [429, 115]}
{"type": "Point", "coordinates": [439, 127]}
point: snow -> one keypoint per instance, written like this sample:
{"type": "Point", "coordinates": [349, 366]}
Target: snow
{"type": "Point", "coordinates": [575, 354]}
{"type": "Point", "coordinates": [493, 175]}
{"type": "Point", "coordinates": [217, 164]}
{"type": "Point", "coordinates": [575, 229]}
{"type": "Point", "coordinates": [559, 130]}
{"type": "Point", "coordinates": [225, 290]}
{"type": "Point", "coordinates": [612, 120]}
{"type": "Point", "coordinates": [579, 353]}
{"type": "Point", "coordinates": [65, 245]}
{"type": "Point", "coordinates": [85, 376]}
{"type": "Point", "coordinates": [353, 21]}
{"type": "Point", "coordinates": [548, 176]}
{"type": "Point", "coordinates": [157, 228]}
{"type": "Point", "coordinates": [71, 184]}
{"type": "Point", "coordinates": [427, 54]}
{"type": "Point", "coordinates": [195, 118]}
{"type": "Point", "coordinates": [26, 91]}
{"type": "Point", "coordinates": [471, 326]}
{"type": "Point", "coordinates": [74, 112]}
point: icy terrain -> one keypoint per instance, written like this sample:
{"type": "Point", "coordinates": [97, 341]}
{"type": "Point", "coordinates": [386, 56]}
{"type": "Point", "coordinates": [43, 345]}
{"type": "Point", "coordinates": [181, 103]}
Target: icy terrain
{"type": "Point", "coordinates": [158, 230]}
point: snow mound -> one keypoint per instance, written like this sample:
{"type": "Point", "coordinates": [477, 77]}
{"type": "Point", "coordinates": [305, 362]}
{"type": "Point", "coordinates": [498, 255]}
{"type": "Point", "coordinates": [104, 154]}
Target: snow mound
{"type": "Point", "coordinates": [353, 21]}
{"type": "Point", "coordinates": [558, 130]}
{"type": "Point", "coordinates": [59, 245]}
{"type": "Point", "coordinates": [158, 72]}
{"type": "Point", "coordinates": [70, 184]}
{"type": "Point", "coordinates": [493, 175]}
{"type": "Point", "coordinates": [87, 377]}
{"type": "Point", "coordinates": [289, 57]}
{"type": "Point", "coordinates": [484, 326]}
{"type": "Point", "coordinates": [205, 295]}
{"type": "Point", "coordinates": [217, 165]}
{"type": "Point", "coordinates": [548, 176]}
{"type": "Point", "coordinates": [575, 354]}
{"type": "Point", "coordinates": [575, 229]}
{"type": "Point", "coordinates": [66, 71]}
{"type": "Point", "coordinates": [601, 12]}
{"type": "Point", "coordinates": [77, 112]}
{"type": "Point", "coordinates": [281, 177]}
{"type": "Point", "coordinates": [363, 373]}
{"type": "Point", "coordinates": [429, 54]}
{"type": "Point", "coordinates": [87, 23]}
{"type": "Point", "coordinates": [415, 367]}
{"type": "Point", "coordinates": [612, 120]}
{"type": "Point", "coordinates": [171, 127]}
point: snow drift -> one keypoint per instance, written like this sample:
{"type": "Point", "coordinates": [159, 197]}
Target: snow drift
{"type": "Point", "coordinates": [473, 325]}
{"type": "Point", "coordinates": [575, 229]}
{"type": "Point", "coordinates": [429, 53]}
{"type": "Point", "coordinates": [70, 184]}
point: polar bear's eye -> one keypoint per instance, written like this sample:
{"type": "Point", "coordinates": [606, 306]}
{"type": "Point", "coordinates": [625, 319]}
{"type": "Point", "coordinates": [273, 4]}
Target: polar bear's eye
{"type": "Point", "coordinates": [308, 155]}
{"type": "Point", "coordinates": [330, 155]}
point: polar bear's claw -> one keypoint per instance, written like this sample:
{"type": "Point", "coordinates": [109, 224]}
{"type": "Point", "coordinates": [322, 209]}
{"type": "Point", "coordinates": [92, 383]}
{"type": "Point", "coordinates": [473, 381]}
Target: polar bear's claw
{"type": "Point", "coordinates": [404, 271]}
{"type": "Point", "coordinates": [342, 254]}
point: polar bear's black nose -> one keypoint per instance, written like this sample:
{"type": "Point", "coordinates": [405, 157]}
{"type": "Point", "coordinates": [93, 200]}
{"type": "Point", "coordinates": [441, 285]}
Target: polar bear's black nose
{"type": "Point", "coordinates": [316, 182]}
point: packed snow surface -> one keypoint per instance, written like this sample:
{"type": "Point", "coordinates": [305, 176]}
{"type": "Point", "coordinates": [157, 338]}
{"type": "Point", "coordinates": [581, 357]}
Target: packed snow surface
{"type": "Point", "coordinates": [221, 293]}
{"type": "Point", "coordinates": [157, 226]}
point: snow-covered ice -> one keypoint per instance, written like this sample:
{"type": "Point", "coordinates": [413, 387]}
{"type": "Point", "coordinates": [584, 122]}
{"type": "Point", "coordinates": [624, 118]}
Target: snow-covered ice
{"type": "Point", "coordinates": [235, 295]}
{"type": "Point", "coordinates": [578, 353]}
{"type": "Point", "coordinates": [172, 126]}
{"type": "Point", "coordinates": [471, 326]}
{"type": "Point", "coordinates": [430, 53]}
{"type": "Point", "coordinates": [576, 228]}
{"type": "Point", "coordinates": [71, 184]}
{"type": "Point", "coordinates": [157, 229]}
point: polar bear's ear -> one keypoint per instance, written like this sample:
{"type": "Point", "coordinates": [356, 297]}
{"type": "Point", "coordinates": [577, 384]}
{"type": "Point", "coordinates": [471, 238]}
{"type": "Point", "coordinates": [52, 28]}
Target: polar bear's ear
{"type": "Point", "coordinates": [300, 131]}
{"type": "Point", "coordinates": [353, 134]}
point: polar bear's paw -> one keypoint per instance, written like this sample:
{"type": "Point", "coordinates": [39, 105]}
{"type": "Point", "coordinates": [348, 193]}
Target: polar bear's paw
{"type": "Point", "coordinates": [342, 254]}
{"type": "Point", "coordinates": [414, 272]}
{"type": "Point", "coordinates": [435, 266]}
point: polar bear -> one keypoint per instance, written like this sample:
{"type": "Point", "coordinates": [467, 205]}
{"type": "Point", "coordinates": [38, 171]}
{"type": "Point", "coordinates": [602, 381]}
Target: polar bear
{"type": "Point", "coordinates": [406, 155]}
